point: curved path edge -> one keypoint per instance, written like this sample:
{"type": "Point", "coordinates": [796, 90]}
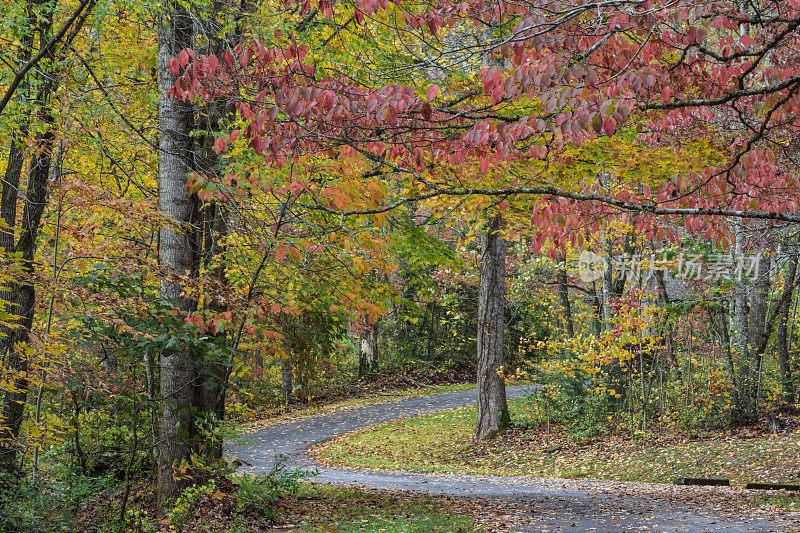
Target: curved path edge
{"type": "Point", "coordinates": [544, 504]}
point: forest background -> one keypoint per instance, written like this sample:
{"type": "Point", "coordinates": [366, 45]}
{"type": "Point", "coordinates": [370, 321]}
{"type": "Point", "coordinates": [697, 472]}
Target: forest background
{"type": "Point", "coordinates": [208, 208]}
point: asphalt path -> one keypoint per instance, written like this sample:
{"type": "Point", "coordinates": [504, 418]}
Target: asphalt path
{"type": "Point", "coordinates": [541, 504]}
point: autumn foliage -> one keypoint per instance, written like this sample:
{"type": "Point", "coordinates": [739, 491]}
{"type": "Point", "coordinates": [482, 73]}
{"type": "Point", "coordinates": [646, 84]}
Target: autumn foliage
{"type": "Point", "coordinates": [339, 164]}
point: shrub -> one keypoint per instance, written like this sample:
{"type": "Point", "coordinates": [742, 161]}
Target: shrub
{"type": "Point", "coordinates": [261, 493]}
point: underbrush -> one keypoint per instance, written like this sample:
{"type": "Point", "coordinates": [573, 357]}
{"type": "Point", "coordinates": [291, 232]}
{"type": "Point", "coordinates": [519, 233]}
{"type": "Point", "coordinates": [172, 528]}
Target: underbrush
{"type": "Point", "coordinates": [63, 499]}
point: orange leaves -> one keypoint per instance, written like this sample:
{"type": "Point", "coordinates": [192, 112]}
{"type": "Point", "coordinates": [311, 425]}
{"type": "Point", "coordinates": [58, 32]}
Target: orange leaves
{"type": "Point", "coordinates": [335, 197]}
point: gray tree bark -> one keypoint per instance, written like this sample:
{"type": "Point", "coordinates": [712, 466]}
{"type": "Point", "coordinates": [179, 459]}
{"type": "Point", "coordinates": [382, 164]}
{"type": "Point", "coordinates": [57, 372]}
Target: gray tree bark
{"type": "Point", "coordinates": [739, 326]}
{"type": "Point", "coordinates": [597, 311]}
{"type": "Point", "coordinates": [178, 252]}
{"type": "Point", "coordinates": [740, 298]}
{"type": "Point", "coordinates": [287, 379]}
{"type": "Point", "coordinates": [563, 294]}
{"type": "Point", "coordinates": [493, 416]}
{"type": "Point", "coordinates": [368, 351]}
{"type": "Point", "coordinates": [787, 385]}
{"type": "Point", "coordinates": [756, 336]}
{"type": "Point", "coordinates": [211, 118]}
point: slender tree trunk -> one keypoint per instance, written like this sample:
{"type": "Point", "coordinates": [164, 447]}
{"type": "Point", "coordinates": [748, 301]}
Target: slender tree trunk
{"type": "Point", "coordinates": [597, 311]}
{"type": "Point", "coordinates": [563, 294]}
{"type": "Point", "coordinates": [740, 298]}
{"type": "Point", "coordinates": [287, 381]}
{"type": "Point", "coordinates": [368, 351]}
{"type": "Point", "coordinates": [608, 288]}
{"type": "Point", "coordinates": [740, 305]}
{"type": "Point", "coordinates": [178, 252]}
{"type": "Point", "coordinates": [21, 294]}
{"type": "Point", "coordinates": [213, 372]}
{"type": "Point", "coordinates": [493, 416]}
{"type": "Point", "coordinates": [719, 322]}
{"type": "Point", "coordinates": [212, 37]}
{"type": "Point", "coordinates": [787, 385]}
{"type": "Point", "coordinates": [756, 332]}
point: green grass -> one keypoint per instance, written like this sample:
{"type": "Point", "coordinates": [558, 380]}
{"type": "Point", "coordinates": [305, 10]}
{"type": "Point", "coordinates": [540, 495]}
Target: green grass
{"type": "Point", "coordinates": [442, 442]}
{"type": "Point", "coordinates": [790, 502]}
{"type": "Point", "coordinates": [345, 510]}
{"type": "Point", "coordinates": [352, 403]}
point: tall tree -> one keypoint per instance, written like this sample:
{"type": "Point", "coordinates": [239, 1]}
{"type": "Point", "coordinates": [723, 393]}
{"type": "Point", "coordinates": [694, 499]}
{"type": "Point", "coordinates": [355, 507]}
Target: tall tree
{"type": "Point", "coordinates": [38, 87]}
{"type": "Point", "coordinates": [179, 248]}
{"type": "Point", "coordinates": [493, 416]}
{"type": "Point", "coordinates": [782, 341]}
{"type": "Point", "coordinates": [368, 349]}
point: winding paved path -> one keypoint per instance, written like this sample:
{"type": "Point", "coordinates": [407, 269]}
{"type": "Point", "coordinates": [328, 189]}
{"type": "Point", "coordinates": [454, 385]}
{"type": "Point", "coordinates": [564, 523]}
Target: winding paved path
{"type": "Point", "coordinates": [543, 504]}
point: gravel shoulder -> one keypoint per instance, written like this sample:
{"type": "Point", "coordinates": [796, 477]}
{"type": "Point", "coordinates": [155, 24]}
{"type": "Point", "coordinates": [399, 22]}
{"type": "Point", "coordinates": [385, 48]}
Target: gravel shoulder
{"type": "Point", "coordinates": [530, 504]}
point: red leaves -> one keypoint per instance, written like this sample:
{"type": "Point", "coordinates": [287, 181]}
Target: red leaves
{"type": "Point", "coordinates": [491, 77]}
{"type": "Point", "coordinates": [609, 126]}
{"type": "Point", "coordinates": [390, 116]}
{"type": "Point", "coordinates": [567, 85]}
{"type": "Point", "coordinates": [212, 63]}
{"type": "Point", "coordinates": [426, 111]}
{"type": "Point", "coordinates": [220, 144]}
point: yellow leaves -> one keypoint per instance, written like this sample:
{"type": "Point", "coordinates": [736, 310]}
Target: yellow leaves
{"type": "Point", "coordinates": [51, 430]}
{"type": "Point", "coordinates": [362, 266]}
{"type": "Point", "coordinates": [379, 220]}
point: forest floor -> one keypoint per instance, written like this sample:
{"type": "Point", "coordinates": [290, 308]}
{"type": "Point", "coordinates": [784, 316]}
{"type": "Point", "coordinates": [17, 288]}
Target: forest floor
{"type": "Point", "coordinates": [500, 503]}
{"type": "Point", "coordinates": [442, 442]}
{"type": "Point", "coordinates": [225, 508]}
{"type": "Point", "coordinates": [324, 508]}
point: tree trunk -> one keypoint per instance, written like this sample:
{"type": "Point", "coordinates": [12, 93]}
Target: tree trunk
{"type": "Point", "coordinates": [787, 385]}
{"type": "Point", "coordinates": [563, 294]}
{"type": "Point", "coordinates": [740, 298]}
{"type": "Point", "coordinates": [178, 252]}
{"type": "Point", "coordinates": [211, 37]}
{"type": "Point", "coordinates": [493, 416]}
{"type": "Point", "coordinates": [742, 370]}
{"type": "Point", "coordinates": [597, 311]}
{"type": "Point", "coordinates": [608, 288]}
{"type": "Point", "coordinates": [287, 384]}
{"type": "Point", "coordinates": [21, 295]}
{"type": "Point", "coordinates": [719, 322]}
{"type": "Point", "coordinates": [368, 351]}
{"type": "Point", "coordinates": [756, 332]}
